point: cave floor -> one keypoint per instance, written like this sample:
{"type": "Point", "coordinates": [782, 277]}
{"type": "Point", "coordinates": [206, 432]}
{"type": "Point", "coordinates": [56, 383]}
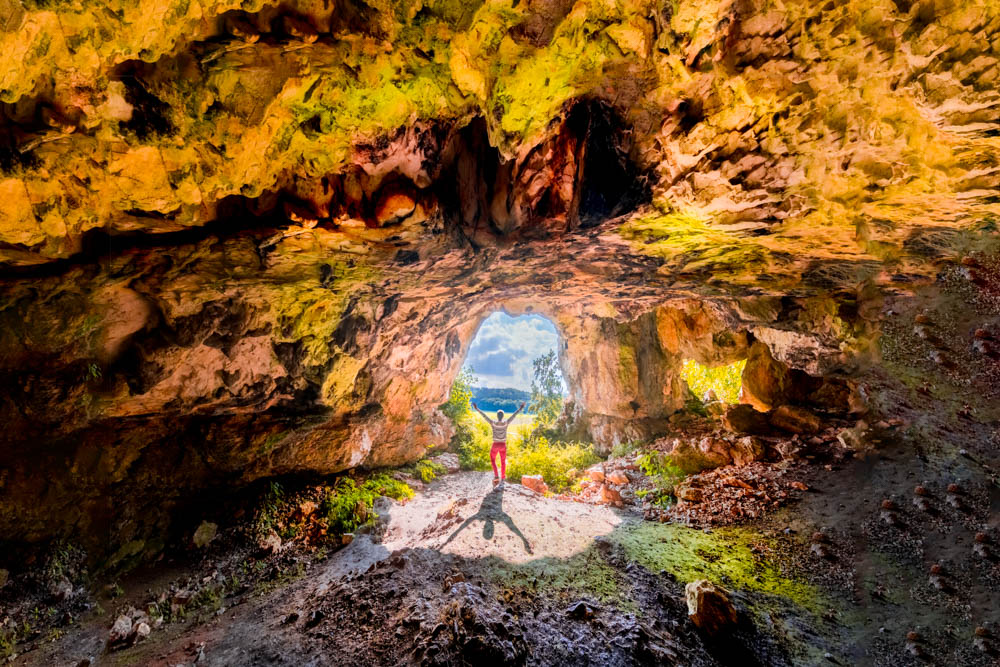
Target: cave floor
{"type": "Point", "coordinates": [465, 573]}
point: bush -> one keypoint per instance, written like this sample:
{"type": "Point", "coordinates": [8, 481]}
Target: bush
{"type": "Point", "coordinates": [427, 470]}
{"type": "Point", "coordinates": [348, 505]}
{"type": "Point", "coordinates": [665, 475]}
{"type": "Point", "coordinates": [725, 381]}
{"type": "Point", "coordinates": [528, 455]}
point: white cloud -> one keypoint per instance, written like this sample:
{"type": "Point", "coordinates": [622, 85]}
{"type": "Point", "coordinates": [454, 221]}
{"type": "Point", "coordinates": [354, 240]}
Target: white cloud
{"type": "Point", "coordinates": [504, 347]}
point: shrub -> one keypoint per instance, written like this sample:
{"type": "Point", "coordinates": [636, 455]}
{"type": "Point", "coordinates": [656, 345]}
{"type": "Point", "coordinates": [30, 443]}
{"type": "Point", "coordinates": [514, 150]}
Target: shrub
{"type": "Point", "coordinates": [527, 455]}
{"type": "Point", "coordinates": [427, 470]}
{"type": "Point", "coordinates": [665, 475]}
{"type": "Point", "coordinates": [348, 505]}
{"type": "Point", "coordinates": [725, 381]}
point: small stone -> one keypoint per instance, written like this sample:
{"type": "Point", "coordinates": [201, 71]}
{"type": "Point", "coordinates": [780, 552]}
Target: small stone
{"type": "Point", "coordinates": [596, 473]}
{"type": "Point", "coordinates": [981, 334]}
{"type": "Point", "coordinates": [982, 538]}
{"type": "Point", "coordinates": [888, 504]}
{"type": "Point", "coordinates": [709, 607]}
{"type": "Point", "coordinates": [205, 533]}
{"type": "Point", "coordinates": [913, 636]}
{"type": "Point", "coordinates": [610, 496]}
{"type": "Point", "coordinates": [142, 631]}
{"type": "Point", "coordinates": [819, 537]}
{"type": "Point", "coordinates": [937, 569]}
{"type": "Point", "coordinates": [580, 610]}
{"type": "Point", "coordinates": [954, 488]}
{"type": "Point", "coordinates": [120, 630]}
{"type": "Point", "coordinates": [980, 631]}
{"type": "Point", "coordinates": [617, 477]}
{"type": "Point", "coordinates": [820, 551]}
{"type": "Point", "coordinates": [315, 618]}
{"type": "Point", "coordinates": [922, 504]}
{"type": "Point", "coordinates": [801, 486]}
{"type": "Point", "coordinates": [535, 483]}
{"type": "Point", "coordinates": [921, 490]}
{"type": "Point", "coordinates": [889, 518]}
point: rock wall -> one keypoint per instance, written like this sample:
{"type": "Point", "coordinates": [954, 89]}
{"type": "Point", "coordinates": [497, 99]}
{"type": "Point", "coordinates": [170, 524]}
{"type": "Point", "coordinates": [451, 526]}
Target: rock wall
{"type": "Point", "coordinates": [246, 241]}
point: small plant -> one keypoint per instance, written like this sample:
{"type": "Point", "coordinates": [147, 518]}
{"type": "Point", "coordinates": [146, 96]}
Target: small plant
{"type": "Point", "coordinates": [427, 470]}
{"type": "Point", "coordinates": [664, 474]}
{"type": "Point", "coordinates": [349, 505]}
{"type": "Point", "coordinates": [623, 449]}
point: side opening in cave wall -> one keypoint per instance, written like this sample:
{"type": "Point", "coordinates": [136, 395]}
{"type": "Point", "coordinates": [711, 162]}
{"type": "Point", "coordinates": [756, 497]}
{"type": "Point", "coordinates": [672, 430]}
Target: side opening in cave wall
{"type": "Point", "coordinates": [714, 383]}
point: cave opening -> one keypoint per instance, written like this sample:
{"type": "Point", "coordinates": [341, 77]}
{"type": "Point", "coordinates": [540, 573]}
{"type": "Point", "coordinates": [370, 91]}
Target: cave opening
{"type": "Point", "coordinates": [714, 383]}
{"type": "Point", "coordinates": [514, 359]}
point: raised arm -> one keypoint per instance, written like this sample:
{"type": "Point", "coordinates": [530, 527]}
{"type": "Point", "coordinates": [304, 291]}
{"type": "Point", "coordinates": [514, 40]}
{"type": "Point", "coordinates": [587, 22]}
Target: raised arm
{"type": "Point", "coordinates": [514, 415]}
{"type": "Point", "coordinates": [483, 414]}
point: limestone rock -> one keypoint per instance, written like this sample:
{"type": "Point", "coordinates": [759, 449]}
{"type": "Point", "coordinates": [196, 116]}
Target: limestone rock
{"type": "Point", "coordinates": [205, 533]}
{"type": "Point", "coordinates": [535, 483]}
{"type": "Point", "coordinates": [610, 496]}
{"type": "Point", "coordinates": [617, 477]}
{"type": "Point", "coordinates": [746, 420]}
{"type": "Point", "coordinates": [709, 607]}
{"type": "Point", "coordinates": [795, 420]}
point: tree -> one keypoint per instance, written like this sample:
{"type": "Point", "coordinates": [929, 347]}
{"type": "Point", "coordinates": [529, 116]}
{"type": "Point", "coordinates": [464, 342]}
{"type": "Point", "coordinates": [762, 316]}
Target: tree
{"type": "Point", "coordinates": [546, 389]}
{"type": "Point", "coordinates": [460, 395]}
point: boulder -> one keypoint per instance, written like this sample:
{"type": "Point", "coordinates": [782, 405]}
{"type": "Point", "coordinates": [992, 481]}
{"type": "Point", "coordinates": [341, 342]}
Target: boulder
{"type": "Point", "coordinates": [688, 492]}
{"type": "Point", "coordinates": [709, 607]}
{"type": "Point", "coordinates": [747, 450]}
{"type": "Point", "coordinates": [692, 457]}
{"type": "Point", "coordinates": [610, 496]}
{"type": "Point", "coordinates": [795, 420]}
{"type": "Point", "coordinates": [205, 533]}
{"type": "Point", "coordinates": [617, 477]}
{"type": "Point", "coordinates": [746, 420]}
{"type": "Point", "coordinates": [393, 205]}
{"type": "Point", "coordinates": [596, 473]}
{"type": "Point", "coordinates": [765, 380]}
{"type": "Point", "coordinates": [449, 461]}
{"type": "Point", "coordinates": [121, 630]}
{"type": "Point", "coordinates": [535, 483]}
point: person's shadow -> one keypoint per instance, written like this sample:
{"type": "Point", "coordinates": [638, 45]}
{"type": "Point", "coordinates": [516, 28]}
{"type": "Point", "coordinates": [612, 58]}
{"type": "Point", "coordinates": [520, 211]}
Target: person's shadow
{"type": "Point", "coordinates": [491, 510]}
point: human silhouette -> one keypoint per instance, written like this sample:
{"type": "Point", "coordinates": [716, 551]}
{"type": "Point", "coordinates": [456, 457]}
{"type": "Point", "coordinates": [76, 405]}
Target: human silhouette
{"type": "Point", "coordinates": [491, 510]}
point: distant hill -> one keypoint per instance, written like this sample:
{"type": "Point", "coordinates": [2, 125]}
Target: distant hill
{"type": "Point", "coordinates": [491, 399]}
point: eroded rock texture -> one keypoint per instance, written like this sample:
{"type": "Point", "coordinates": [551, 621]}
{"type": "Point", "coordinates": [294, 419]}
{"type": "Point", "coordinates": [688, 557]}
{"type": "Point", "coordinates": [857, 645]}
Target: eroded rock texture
{"type": "Point", "coordinates": [241, 240]}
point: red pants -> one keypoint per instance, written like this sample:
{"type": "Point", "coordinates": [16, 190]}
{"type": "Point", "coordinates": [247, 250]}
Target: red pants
{"type": "Point", "coordinates": [501, 449]}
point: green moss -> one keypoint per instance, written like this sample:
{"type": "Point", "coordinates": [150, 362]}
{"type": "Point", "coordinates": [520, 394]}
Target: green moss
{"type": "Point", "coordinates": [724, 556]}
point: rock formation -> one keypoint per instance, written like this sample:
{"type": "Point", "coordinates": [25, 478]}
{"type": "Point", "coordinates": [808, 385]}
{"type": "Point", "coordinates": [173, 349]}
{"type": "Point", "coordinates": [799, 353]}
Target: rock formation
{"type": "Point", "coordinates": [242, 240]}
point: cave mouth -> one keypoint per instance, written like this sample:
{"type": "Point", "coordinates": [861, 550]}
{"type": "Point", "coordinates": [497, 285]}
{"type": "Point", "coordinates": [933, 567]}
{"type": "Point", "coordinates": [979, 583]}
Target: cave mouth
{"type": "Point", "coordinates": [510, 359]}
{"type": "Point", "coordinates": [716, 383]}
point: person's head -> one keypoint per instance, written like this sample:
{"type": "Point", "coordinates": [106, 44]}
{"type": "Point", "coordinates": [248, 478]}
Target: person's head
{"type": "Point", "coordinates": [499, 414]}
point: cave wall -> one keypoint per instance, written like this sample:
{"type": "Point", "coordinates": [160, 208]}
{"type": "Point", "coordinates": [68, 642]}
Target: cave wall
{"type": "Point", "coordinates": [241, 240]}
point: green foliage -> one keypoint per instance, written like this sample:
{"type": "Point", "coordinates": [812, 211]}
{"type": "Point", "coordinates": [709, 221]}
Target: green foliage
{"type": "Point", "coordinates": [428, 470]}
{"type": "Point", "coordinates": [529, 454]}
{"type": "Point", "coordinates": [458, 404]}
{"type": "Point", "coordinates": [546, 389]}
{"type": "Point", "coordinates": [623, 449]}
{"type": "Point", "coordinates": [725, 381]}
{"type": "Point", "coordinates": [664, 474]}
{"type": "Point", "coordinates": [490, 399]}
{"type": "Point", "coordinates": [348, 505]}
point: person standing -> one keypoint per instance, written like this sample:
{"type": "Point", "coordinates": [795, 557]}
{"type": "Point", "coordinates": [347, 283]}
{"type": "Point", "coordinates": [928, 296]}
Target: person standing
{"type": "Point", "coordinates": [499, 448]}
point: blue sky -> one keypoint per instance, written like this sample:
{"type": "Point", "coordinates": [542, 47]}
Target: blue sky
{"type": "Point", "coordinates": [502, 351]}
